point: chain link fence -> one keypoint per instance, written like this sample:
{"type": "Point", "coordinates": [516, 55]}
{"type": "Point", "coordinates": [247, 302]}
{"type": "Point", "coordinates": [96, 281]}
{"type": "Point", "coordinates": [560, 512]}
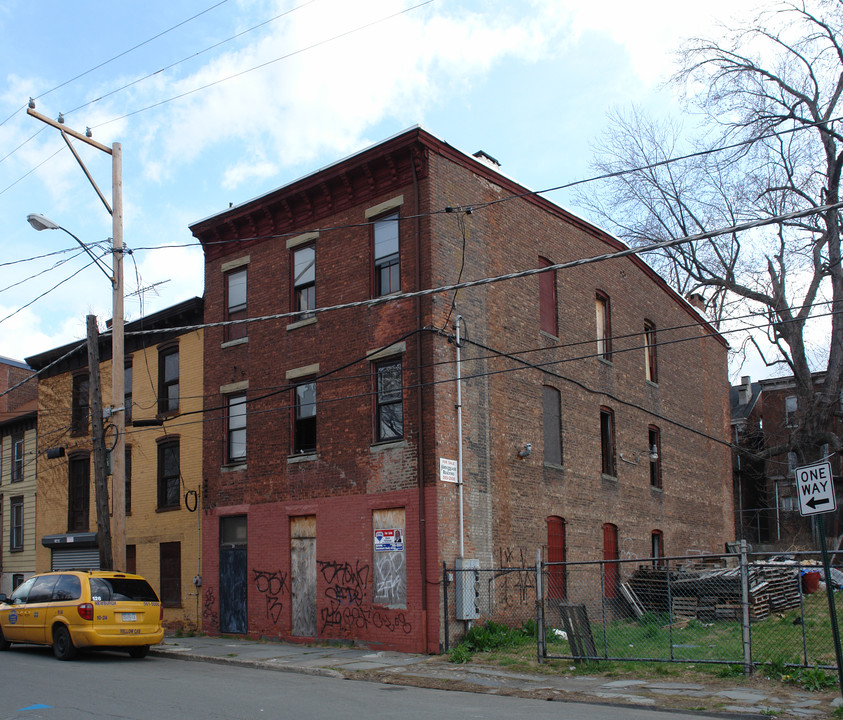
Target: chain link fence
{"type": "Point", "coordinates": [735, 608]}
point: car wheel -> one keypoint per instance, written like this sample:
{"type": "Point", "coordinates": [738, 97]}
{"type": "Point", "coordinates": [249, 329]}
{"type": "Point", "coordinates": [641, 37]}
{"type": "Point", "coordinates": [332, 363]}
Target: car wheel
{"type": "Point", "coordinates": [141, 651]}
{"type": "Point", "coordinates": [4, 644]}
{"type": "Point", "coordinates": [63, 647]}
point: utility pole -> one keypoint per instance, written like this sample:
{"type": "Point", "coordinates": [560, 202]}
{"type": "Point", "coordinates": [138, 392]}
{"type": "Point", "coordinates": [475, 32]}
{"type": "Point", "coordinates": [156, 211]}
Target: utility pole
{"type": "Point", "coordinates": [98, 438]}
{"type": "Point", "coordinates": [117, 411]}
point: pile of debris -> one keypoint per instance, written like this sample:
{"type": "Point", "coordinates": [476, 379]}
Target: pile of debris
{"type": "Point", "coordinates": [713, 594]}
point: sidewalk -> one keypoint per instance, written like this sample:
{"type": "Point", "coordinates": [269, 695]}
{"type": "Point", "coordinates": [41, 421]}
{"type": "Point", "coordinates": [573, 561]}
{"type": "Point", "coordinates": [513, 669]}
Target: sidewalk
{"type": "Point", "coordinates": [714, 696]}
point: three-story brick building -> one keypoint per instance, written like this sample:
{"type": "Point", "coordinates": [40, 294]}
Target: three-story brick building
{"type": "Point", "coordinates": [591, 416]}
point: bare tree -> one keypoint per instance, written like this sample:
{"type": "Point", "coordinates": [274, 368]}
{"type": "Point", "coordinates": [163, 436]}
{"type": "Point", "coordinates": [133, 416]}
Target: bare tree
{"type": "Point", "coordinates": [767, 95]}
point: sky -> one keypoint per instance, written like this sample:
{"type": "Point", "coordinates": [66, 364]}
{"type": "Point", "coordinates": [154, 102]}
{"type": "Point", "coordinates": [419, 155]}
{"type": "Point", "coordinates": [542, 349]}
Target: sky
{"type": "Point", "coordinates": [216, 102]}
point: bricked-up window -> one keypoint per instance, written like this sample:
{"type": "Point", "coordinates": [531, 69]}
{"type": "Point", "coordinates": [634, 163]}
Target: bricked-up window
{"type": "Point", "coordinates": [654, 445]}
{"type": "Point", "coordinates": [607, 442]}
{"type": "Point", "coordinates": [17, 456]}
{"type": "Point", "coordinates": [78, 493]}
{"type": "Point", "coordinates": [548, 321]}
{"type": "Point", "coordinates": [389, 401]}
{"type": "Point", "coordinates": [16, 524]}
{"type": "Point", "coordinates": [552, 420]}
{"type": "Point", "coordinates": [168, 380]}
{"type": "Point", "coordinates": [650, 345]}
{"type": "Point", "coordinates": [168, 474]}
{"type": "Point", "coordinates": [235, 308]}
{"type": "Point", "coordinates": [80, 406]}
{"type": "Point", "coordinates": [557, 578]}
{"type": "Point", "coordinates": [604, 326]}
{"type": "Point", "coordinates": [170, 564]}
{"type": "Point", "coordinates": [304, 418]}
{"type": "Point", "coordinates": [236, 428]}
{"type": "Point", "coordinates": [387, 275]}
{"type": "Point", "coordinates": [657, 548]}
{"type": "Point", "coordinates": [610, 554]}
{"type": "Point", "coordinates": [127, 391]}
{"type": "Point", "coordinates": [304, 281]}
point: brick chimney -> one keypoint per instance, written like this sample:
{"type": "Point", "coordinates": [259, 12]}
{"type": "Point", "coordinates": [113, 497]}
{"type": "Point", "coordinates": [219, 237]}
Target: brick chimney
{"type": "Point", "coordinates": [697, 300]}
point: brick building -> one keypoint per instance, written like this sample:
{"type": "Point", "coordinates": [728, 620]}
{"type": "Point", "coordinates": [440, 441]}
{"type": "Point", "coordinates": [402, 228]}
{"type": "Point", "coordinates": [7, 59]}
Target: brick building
{"type": "Point", "coordinates": [18, 434]}
{"type": "Point", "coordinates": [164, 366]}
{"type": "Point", "coordinates": [593, 409]}
{"type": "Point", "coordinates": [767, 507]}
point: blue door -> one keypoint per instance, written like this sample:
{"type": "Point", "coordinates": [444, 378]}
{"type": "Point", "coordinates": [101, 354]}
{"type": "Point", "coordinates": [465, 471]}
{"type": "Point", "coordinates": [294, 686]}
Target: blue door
{"type": "Point", "coordinates": [233, 575]}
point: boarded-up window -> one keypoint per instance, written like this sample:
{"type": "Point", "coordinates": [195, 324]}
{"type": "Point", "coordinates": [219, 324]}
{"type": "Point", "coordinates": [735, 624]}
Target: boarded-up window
{"type": "Point", "coordinates": [552, 419]}
{"type": "Point", "coordinates": [547, 299]}
{"type": "Point", "coordinates": [78, 494]}
{"type": "Point", "coordinates": [390, 558]}
{"type": "Point", "coordinates": [171, 574]}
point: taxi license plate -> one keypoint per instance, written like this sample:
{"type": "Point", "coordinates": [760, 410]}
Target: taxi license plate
{"type": "Point", "coordinates": [130, 617]}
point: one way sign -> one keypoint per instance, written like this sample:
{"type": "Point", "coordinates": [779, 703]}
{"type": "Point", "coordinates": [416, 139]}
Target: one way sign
{"type": "Point", "coordinates": [816, 489]}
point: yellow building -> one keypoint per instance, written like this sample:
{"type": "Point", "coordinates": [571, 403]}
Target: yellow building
{"type": "Point", "coordinates": [17, 474]}
{"type": "Point", "coordinates": [163, 358]}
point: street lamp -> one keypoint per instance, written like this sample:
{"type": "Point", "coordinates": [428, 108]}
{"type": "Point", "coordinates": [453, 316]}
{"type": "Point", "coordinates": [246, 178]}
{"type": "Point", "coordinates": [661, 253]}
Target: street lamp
{"type": "Point", "coordinates": [118, 494]}
{"type": "Point", "coordinates": [118, 465]}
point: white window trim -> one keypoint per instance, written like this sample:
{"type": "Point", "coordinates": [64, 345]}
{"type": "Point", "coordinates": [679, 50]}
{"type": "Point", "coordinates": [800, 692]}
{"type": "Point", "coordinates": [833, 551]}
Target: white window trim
{"type": "Point", "coordinates": [387, 352]}
{"type": "Point", "coordinates": [302, 239]}
{"type": "Point", "coordinates": [303, 371]}
{"type": "Point", "coordinates": [234, 264]}
{"type": "Point", "coordinates": [384, 207]}
{"type": "Point", "coordinates": [232, 388]}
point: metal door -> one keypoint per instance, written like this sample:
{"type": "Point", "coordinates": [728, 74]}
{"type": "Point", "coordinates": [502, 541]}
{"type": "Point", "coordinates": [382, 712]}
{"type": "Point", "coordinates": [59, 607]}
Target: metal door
{"type": "Point", "coordinates": [303, 574]}
{"type": "Point", "coordinates": [233, 575]}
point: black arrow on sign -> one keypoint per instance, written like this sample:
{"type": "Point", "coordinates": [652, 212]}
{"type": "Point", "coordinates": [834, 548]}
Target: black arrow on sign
{"type": "Point", "coordinates": [812, 503]}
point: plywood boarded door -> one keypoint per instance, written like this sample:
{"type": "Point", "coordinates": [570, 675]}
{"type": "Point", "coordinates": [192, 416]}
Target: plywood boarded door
{"type": "Point", "coordinates": [390, 577]}
{"type": "Point", "coordinates": [303, 574]}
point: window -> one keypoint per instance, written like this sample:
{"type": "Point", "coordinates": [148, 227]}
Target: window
{"type": "Point", "coordinates": [170, 564]}
{"type": "Point", "coordinates": [127, 392]}
{"type": "Point", "coordinates": [16, 524]}
{"type": "Point", "coordinates": [17, 456]}
{"type": "Point", "coordinates": [304, 281]}
{"type": "Point", "coordinates": [128, 484]}
{"type": "Point", "coordinates": [386, 255]}
{"type": "Point", "coordinates": [235, 309]}
{"type": "Point", "coordinates": [552, 418]}
{"type": "Point", "coordinates": [168, 474]}
{"type": "Point", "coordinates": [547, 299]}
{"type": "Point", "coordinates": [236, 430]}
{"type": "Point", "coordinates": [607, 442]}
{"type": "Point", "coordinates": [657, 548]}
{"type": "Point", "coordinates": [132, 559]}
{"type": "Point", "coordinates": [389, 423]}
{"type": "Point", "coordinates": [78, 494]}
{"type": "Point", "coordinates": [168, 380]}
{"type": "Point", "coordinates": [604, 327]}
{"type": "Point", "coordinates": [304, 420]}
{"type": "Point", "coordinates": [610, 556]}
{"type": "Point", "coordinates": [650, 368]}
{"type": "Point", "coordinates": [557, 574]}
{"type": "Point", "coordinates": [655, 453]}
{"type": "Point", "coordinates": [80, 406]}
{"type": "Point", "coordinates": [790, 406]}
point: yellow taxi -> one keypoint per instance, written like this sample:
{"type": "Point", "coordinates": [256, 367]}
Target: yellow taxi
{"type": "Point", "coordinates": [77, 609]}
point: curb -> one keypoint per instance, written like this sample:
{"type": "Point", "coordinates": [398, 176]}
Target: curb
{"type": "Point", "coordinates": [255, 664]}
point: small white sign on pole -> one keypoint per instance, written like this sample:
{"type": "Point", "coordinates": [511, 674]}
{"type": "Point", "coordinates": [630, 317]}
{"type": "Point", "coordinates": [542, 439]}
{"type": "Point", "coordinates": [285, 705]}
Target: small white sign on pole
{"type": "Point", "coordinates": [815, 487]}
{"type": "Point", "coordinates": [448, 470]}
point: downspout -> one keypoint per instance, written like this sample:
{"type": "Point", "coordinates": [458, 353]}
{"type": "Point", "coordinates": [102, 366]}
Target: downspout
{"type": "Point", "coordinates": [420, 408]}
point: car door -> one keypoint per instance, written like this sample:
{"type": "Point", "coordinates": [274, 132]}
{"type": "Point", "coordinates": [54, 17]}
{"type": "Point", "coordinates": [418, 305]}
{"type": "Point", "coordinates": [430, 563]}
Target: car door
{"type": "Point", "coordinates": [13, 618]}
{"type": "Point", "coordinates": [37, 606]}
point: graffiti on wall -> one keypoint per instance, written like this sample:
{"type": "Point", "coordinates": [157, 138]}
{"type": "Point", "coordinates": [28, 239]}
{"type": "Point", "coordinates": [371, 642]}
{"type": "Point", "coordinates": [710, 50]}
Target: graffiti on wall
{"type": "Point", "coordinates": [209, 608]}
{"type": "Point", "coordinates": [515, 578]}
{"type": "Point", "coordinates": [391, 578]}
{"type": "Point", "coordinates": [347, 607]}
{"type": "Point", "coordinates": [272, 585]}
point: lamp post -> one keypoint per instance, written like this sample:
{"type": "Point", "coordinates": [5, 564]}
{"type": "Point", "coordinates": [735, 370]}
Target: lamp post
{"type": "Point", "coordinates": [117, 534]}
{"type": "Point", "coordinates": [118, 457]}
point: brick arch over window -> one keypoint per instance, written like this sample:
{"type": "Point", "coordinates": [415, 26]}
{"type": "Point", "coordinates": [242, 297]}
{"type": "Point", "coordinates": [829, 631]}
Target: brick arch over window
{"type": "Point", "coordinates": [557, 576]}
